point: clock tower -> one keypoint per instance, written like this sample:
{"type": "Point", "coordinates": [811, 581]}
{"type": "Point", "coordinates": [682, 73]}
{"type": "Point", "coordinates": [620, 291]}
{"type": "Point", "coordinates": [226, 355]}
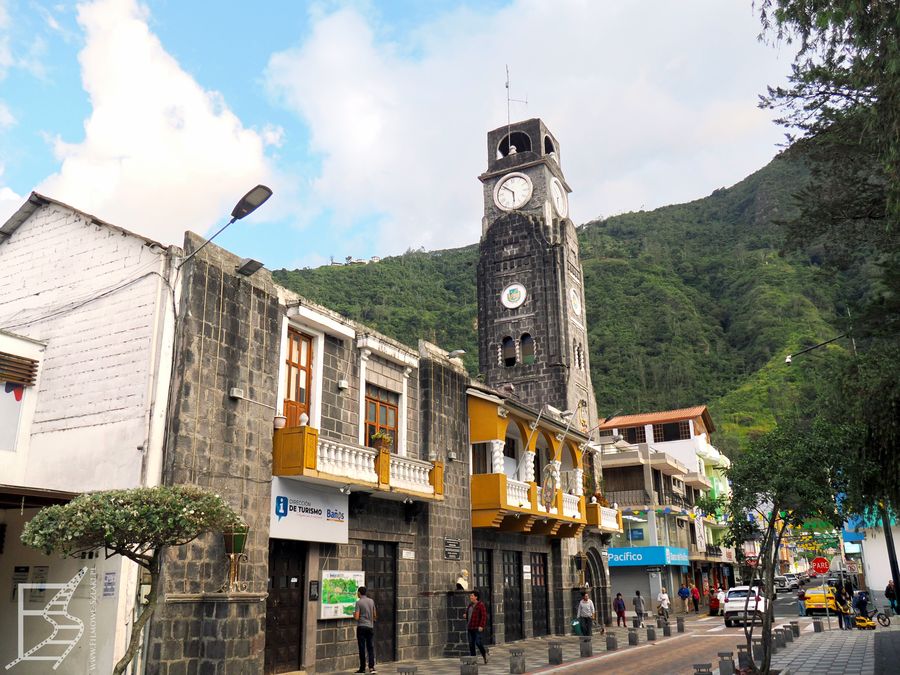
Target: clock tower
{"type": "Point", "coordinates": [532, 332]}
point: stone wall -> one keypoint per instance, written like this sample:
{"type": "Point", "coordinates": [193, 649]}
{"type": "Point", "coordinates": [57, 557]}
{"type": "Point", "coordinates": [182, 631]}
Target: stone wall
{"type": "Point", "coordinates": [228, 335]}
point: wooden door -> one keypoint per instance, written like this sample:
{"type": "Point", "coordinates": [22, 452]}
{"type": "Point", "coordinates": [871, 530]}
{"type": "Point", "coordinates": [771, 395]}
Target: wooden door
{"type": "Point", "coordinates": [539, 595]}
{"type": "Point", "coordinates": [512, 595]}
{"type": "Point", "coordinates": [284, 605]}
{"type": "Point", "coordinates": [482, 581]}
{"type": "Point", "coordinates": [299, 376]}
{"type": "Point", "coordinates": [380, 565]}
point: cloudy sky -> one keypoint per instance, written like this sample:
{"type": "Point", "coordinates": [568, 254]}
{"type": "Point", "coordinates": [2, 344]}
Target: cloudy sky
{"type": "Point", "coordinates": [368, 119]}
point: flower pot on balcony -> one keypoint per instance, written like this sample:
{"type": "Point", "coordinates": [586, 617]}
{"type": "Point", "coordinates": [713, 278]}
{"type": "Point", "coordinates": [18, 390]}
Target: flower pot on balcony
{"type": "Point", "coordinates": [236, 539]}
{"type": "Point", "coordinates": [279, 422]}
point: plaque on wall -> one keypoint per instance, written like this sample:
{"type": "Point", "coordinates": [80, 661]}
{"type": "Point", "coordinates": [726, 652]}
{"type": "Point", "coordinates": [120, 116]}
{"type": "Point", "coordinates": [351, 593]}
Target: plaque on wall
{"type": "Point", "coordinates": [452, 549]}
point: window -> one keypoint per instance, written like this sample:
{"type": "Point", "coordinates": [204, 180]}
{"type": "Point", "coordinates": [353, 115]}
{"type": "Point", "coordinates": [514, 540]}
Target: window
{"type": "Point", "coordinates": [299, 375]}
{"type": "Point", "coordinates": [509, 352]}
{"type": "Point", "coordinates": [673, 431]}
{"type": "Point", "coordinates": [509, 448]}
{"type": "Point", "coordinates": [527, 343]}
{"type": "Point", "coordinates": [520, 141]}
{"type": "Point", "coordinates": [635, 435]}
{"type": "Point", "coordinates": [16, 373]}
{"type": "Point", "coordinates": [481, 458]}
{"type": "Point", "coordinates": [381, 414]}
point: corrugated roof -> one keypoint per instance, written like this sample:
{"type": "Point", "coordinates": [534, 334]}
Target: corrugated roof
{"type": "Point", "coordinates": [623, 421]}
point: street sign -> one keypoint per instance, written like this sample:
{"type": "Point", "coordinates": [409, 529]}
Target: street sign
{"type": "Point", "coordinates": [852, 567]}
{"type": "Point", "coordinates": [820, 566]}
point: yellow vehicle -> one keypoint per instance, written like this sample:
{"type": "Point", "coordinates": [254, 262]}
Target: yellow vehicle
{"type": "Point", "coordinates": [816, 599]}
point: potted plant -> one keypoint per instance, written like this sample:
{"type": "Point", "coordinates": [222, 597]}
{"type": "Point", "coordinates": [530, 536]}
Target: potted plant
{"type": "Point", "coordinates": [382, 439]}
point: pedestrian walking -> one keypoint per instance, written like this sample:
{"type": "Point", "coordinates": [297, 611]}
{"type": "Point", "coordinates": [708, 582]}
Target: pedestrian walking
{"type": "Point", "coordinates": [684, 594]}
{"type": "Point", "coordinates": [365, 615]}
{"type": "Point", "coordinates": [640, 607]}
{"type": "Point", "coordinates": [476, 615]}
{"type": "Point", "coordinates": [663, 600]}
{"type": "Point", "coordinates": [890, 594]}
{"type": "Point", "coordinates": [619, 609]}
{"type": "Point", "coordinates": [720, 596]}
{"type": "Point", "coordinates": [801, 602]}
{"type": "Point", "coordinates": [586, 613]}
{"type": "Point", "coordinates": [695, 596]}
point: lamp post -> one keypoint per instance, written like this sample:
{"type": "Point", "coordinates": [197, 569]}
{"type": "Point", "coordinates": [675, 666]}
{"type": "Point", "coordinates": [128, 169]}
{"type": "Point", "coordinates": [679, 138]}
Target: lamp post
{"type": "Point", "coordinates": [885, 519]}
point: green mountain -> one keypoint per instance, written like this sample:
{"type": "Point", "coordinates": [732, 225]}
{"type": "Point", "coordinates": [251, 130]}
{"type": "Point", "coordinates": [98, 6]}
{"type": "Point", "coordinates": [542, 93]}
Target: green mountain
{"type": "Point", "coordinates": [690, 303]}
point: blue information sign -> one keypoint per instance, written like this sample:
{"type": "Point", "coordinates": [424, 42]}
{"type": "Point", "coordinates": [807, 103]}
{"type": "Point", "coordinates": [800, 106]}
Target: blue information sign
{"type": "Point", "coordinates": [635, 556]}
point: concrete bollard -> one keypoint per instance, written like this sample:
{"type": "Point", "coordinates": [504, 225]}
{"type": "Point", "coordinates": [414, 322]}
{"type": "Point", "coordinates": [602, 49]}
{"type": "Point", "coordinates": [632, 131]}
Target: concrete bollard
{"type": "Point", "coordinates": [726, 663]}
{"type": "Point", "coordinates": [757, 649]}
{"type": "Point", "coordinates": [516, 660]}
{"type": "Point", "coordinates": [680, 621]}
{"type": "Point", "coordinates": [795, 628]}
{"type": "Point", "coordinates": [407, 670]}
{"type": "Point", "coordinates": [586, 645]}
{"type": "Point", "coordinates": [667, 629]}
{"type": "Point", "coordinates": [651, 634]}
{"type": "Point", "coordinates": [702, 669]}
{"type": "Point", "coordinates": [554, 653]}
{"type": "Point", "coordinates": [788, 633]}
{"type": "Point", "coordinates": [743, 657]}
{"type": "Point", "coordinates": [659, 622]}
{"type": "Point", "coordinates": [468, 665]}
{"type": "Point", "coordinates": [636, 622]}
{"type": "Point", "coordinates": [612, 644]}
{"type": "Point", "coordinates": [818, 627]}
{"type": "Point", "coordinates": [632, 636]}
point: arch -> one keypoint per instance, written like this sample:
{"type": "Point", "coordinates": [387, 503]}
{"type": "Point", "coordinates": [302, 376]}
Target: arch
{"type": "Point", "coordinates": [512, 454]}
{"type": "Point", "coordinates": [518, 140]}
{"type": "Point", "coordinates": [548, 145]}
{"type": "Point", "coordinates": [595, 577]}
{"type": "Point", "coordinates": [527, 344]}
{"type": "Point", "coordinates": [508, 351]}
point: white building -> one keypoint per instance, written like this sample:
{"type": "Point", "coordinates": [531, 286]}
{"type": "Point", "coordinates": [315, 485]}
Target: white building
{"type": "Point", "coordinates": [86, 339]}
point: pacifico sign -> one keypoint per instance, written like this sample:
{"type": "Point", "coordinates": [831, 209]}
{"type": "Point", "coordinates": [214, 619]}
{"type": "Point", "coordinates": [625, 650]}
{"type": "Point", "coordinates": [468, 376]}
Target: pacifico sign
{"type": "Point", "coordinates": [637, 556]}
{"type": "Point", "coordinates": [305, 513]}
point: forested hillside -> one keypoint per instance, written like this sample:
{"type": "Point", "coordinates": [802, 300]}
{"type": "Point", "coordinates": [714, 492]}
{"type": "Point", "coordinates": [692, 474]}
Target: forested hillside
{"type": "Point", "coordinates": [691, 303]}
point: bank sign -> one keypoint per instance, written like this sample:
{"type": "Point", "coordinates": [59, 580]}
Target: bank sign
{"type": "Point", "coordinates": [647, 555]}
{"type": "Point", "coordinates": [302, 512]}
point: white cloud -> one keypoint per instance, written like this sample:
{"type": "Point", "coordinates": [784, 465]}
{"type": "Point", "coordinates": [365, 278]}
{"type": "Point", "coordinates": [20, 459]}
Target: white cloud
{"type": "Point", "coordinates": [652, 103]}
{"type": "Point", "coordinates": [6, 117]}
{"type": "Point", "coordinates": [160, 154]}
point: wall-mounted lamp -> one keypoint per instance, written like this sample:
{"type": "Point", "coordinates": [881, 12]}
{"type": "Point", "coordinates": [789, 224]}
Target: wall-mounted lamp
{"type": "Point", "coordinates": [248, 267]}
{"type": "Point", "coordinates": [345, 490]}
{"type": "Point", "coordinates": [408, 500]}
{"type": "Point", "coordinates": [451, 455]}
{"type": "Point", "coordinates": [343, 384]}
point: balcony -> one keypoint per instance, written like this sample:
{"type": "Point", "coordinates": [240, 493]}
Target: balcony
{"type": "Point", "coordinates": [298, 452]}
{"type": "Point", "coordinates": [515, 506]}
{"type": "Point", "coordinates": [626, 498]}
{"type": "Point", "coordinates": [713, 553]}
{"type": "Point", "coordinates": [698, 480]}
{"type": "Point", "coordinates": [604, 518]}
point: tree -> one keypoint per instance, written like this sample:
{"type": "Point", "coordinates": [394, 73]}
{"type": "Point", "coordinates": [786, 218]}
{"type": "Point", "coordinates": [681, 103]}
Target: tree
{"type": "Point", "coordinates": [137, 524]}
{"type": "Point", "coordinates": [781, 480]}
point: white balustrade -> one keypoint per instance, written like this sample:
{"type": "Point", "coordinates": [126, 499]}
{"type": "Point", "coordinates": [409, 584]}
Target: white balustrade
{"type": "Point", "coordinates": [609, 518]}
{"type": "Point", "coordinates": [516, 493]}
{"type": "Point", "coordinates": [349, 461]}
{"type": "Point", "coordinates": [571, 506]}
{"type": "Point", "coordinates": [410, 474]}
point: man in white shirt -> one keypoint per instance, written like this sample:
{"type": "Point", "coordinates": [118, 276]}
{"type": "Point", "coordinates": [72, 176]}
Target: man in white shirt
{"type": "Point", "coordinates": [663, 600]}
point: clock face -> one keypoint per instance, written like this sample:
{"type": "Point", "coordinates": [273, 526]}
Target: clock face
{"type": "Point", "coordinates": [512, 191]}
{"type": "Point", "coordinates": [575, 301]}
{"type": "Point", "coordinates": [559, 198]}
{"type": "Point", "coordinates": [513, 296]}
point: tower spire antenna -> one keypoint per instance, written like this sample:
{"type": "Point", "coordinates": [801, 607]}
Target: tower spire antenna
{"type": "Point", "coordinates": [508, 101]}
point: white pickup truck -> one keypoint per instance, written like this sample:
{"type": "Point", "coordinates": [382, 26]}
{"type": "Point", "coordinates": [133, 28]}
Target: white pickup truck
{"type": "Point", "coordinates": [739, 608]}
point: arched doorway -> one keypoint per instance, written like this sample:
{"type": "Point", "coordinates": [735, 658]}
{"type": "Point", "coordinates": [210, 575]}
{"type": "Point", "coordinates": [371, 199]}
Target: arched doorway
{"type": "Point", "coordinates": [595, 577]}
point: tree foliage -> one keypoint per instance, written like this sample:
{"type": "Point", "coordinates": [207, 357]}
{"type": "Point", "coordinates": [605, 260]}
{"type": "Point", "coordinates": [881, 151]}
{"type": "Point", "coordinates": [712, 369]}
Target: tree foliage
{"type": "Point", "coordinates": [136, 524]}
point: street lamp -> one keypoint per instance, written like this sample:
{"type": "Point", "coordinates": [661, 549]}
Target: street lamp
{"type": "Point", "coordinates": [247, 205]}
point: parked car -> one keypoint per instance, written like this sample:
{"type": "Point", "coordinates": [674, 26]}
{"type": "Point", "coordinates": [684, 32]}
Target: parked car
{"type": "Point", "coordinates": [815, 600]}
{"type": "Point", "coordinates": [781, 584]}
{"type": "Point", "coordinates": [743, 603]}
{"type": "Point", "coordinates": [793, 582]}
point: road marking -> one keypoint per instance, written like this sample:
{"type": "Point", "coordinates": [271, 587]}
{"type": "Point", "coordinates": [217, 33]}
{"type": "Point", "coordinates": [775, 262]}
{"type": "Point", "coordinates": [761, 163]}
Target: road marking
{"type": "Point", "coordinates": [716, 630]}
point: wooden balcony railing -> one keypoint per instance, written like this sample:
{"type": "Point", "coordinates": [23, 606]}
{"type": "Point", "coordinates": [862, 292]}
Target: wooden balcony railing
{"type": "Point", "coordinates": [299, 451]}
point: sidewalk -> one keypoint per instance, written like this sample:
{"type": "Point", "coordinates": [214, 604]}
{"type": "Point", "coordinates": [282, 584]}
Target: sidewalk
{"type": "Point", "coordinates": [837, 652]}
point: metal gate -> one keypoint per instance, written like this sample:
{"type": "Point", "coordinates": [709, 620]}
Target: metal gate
{"type": "Point", "coordinates": [380, 565]}
{"type": "Point", "coordinates": [539, 596]}
{"type": "Point", "coordinates": [284, 605]}
{"type": "Point", "coordinates": [512, 595]}
{"type": "Point", "coordinates": [482, 581]}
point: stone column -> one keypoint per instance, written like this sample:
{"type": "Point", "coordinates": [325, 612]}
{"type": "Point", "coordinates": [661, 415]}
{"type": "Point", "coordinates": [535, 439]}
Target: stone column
{"type": "Point", "coordinates": [497, 456]}
{"type": "Point", "coordinates": [528, 465]}
{"type": "Point", "coordinates": [579, 482]}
